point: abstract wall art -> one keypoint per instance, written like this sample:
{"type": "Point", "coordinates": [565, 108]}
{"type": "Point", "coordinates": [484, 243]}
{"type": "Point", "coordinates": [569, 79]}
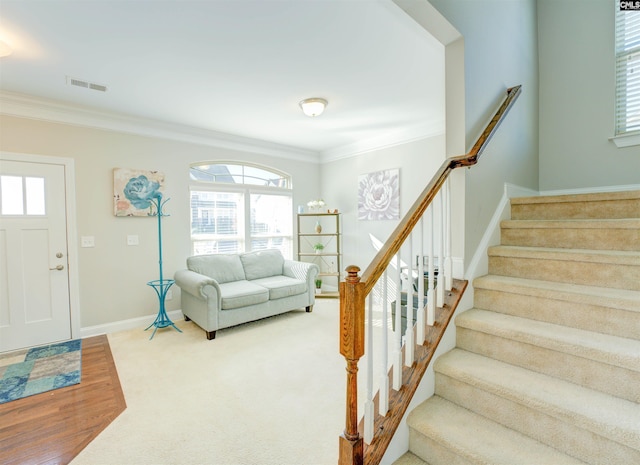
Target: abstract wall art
{"type": "Point", "coordinates": [379, 195]}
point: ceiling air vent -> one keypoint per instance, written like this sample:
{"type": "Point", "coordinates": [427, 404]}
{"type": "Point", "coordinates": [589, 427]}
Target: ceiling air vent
{"type": "Point", "coordinates": [87, 85]}
{"type": "Point", "coordinates": [99, 87]}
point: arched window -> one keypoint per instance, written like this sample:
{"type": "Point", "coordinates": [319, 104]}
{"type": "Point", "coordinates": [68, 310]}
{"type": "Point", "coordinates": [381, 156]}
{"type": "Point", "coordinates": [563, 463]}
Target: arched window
{"type": "Point", "coordinates": [240, 207]}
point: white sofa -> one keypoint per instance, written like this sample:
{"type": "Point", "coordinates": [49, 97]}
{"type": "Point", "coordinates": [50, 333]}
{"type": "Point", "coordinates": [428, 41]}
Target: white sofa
{"type": "Point", "coordinates": [220, 291]}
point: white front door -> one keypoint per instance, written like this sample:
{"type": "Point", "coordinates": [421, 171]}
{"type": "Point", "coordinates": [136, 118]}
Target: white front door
{"type": "Point", "coordinates": [34, 277]}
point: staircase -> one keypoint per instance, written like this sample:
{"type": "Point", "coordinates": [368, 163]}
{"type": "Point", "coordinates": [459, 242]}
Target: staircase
{"type": "Point", "coordinates": [547, 365]}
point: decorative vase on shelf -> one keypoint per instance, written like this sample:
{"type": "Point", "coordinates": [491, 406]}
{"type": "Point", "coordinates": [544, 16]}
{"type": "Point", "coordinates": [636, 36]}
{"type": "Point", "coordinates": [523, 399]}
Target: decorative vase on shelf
{"type": "Point", "coordinates": [318, 227]}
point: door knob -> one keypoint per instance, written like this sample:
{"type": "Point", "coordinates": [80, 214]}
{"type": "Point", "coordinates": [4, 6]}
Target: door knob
{"type": "Point", "coordinates": [59, 268]}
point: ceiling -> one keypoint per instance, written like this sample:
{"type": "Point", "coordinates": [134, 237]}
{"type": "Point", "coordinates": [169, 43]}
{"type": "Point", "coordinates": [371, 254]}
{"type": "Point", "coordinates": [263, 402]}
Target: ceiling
{"type": "Point", "coordinates": [234, 67]}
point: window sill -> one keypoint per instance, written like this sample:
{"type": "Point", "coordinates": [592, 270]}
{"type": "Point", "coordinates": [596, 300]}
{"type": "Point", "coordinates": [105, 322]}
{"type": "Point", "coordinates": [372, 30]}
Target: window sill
{"type": "Point", "coordinates": [627, 140]}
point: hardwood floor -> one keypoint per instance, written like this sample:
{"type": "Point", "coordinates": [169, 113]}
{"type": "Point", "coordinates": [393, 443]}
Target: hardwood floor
{"type": "Point", "coordinates": [53, 427]}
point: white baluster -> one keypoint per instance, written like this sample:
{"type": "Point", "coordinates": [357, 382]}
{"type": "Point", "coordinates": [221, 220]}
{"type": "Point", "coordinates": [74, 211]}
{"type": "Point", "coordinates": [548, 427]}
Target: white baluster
{"type": "Point", "coordinates": [448, 283]}
{"type": "Point", "coordinates": [420, 333]}
{"type": "Point", "coordinates": [397, 354]}
{"type": "Point", "coordinates": [368, 405]}
{"type": "Point", "coordinates": [441, 279]}
{"type": "Point", "coordinates": [431, 294]}
{"type": "Point", "coordinates": [409, 341]}
{"type": "Point", "coordinates": [383, 400]}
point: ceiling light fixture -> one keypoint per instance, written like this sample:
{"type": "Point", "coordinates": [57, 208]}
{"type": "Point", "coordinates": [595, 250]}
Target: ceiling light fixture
{"type": "Point", "coordinates": [5, 50]}
{"type": "Point", "coordinates": [313, 106]}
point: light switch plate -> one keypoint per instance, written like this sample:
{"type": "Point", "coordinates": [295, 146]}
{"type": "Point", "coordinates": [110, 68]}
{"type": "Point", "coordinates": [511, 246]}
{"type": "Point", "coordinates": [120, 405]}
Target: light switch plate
{"type": "Point", "coordinates": [132, 240]}
{"type": "Point", "coordinates": [88, 241]}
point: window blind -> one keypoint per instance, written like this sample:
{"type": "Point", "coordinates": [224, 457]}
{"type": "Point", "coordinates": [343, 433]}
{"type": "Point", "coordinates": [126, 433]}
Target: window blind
{"type": "Point", "coordinates": [627, 71]}
{"type": "Point", "coordinates": [217, 222]}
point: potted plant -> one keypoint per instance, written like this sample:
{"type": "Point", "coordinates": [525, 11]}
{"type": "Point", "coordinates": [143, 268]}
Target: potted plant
{"type": "Point", "coordinates": [318, 248]}
{"type": "Point", "coordinates": [318, 286]}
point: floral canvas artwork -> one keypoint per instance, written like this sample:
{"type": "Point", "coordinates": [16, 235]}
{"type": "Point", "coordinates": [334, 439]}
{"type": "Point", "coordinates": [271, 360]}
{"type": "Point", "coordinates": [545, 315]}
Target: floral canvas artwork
{"type": "Point", "coordinates": [379, 195]}
{"type": "Point", "coordinates": [135, 190]}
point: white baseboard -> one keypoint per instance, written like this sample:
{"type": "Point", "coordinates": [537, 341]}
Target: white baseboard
{"type": "Point", "coordinates": [479, 264]}
{"type": "Point", "coordinates": [125, 325]}
{"type": "Point", "coordinates": [592, 190]}
{"type": "Point", "coordinates": [491, 236]}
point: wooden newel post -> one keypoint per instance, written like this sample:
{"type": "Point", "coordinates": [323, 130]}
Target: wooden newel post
{"type": "Point", "coordinates": [352, 300]}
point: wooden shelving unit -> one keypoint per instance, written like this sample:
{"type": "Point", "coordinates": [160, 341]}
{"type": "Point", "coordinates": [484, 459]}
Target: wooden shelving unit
{"type": "Point", "coordinates": [330, 257]}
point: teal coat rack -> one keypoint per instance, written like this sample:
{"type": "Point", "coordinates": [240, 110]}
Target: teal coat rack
{"type": "Point", "coordinates": [161, 286]}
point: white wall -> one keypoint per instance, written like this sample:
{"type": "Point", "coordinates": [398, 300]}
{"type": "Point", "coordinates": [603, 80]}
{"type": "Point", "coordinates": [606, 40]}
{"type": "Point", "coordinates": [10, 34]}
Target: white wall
{"type": "Point", "coordinates": [113, 276]}
{"type": "Point", "coordinates": [577, 91]}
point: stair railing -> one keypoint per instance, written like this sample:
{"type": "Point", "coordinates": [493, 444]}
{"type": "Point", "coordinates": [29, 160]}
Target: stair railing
{"type": "Point", "coordinates": [410, 281]}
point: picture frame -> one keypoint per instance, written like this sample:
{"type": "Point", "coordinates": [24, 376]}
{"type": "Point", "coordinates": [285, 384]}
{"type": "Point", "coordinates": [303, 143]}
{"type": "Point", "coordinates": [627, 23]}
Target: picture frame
{"type": "Point", "coordinates": [133, 189]}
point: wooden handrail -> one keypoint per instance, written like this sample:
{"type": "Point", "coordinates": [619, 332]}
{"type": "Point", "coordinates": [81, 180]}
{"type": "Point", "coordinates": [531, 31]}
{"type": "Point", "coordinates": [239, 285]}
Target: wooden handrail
{"type": "Point", "coordinates": [354, 289]}
{"type": "Point", "coordinates": [390, 248]}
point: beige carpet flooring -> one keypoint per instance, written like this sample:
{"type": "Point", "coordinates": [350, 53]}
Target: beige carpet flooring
{"type": "Point", "coordinates": [265, 393]}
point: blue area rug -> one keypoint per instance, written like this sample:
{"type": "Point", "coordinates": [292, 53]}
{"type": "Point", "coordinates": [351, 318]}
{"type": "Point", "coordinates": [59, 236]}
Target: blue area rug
{"type": "Point", "coordinates": [39, 369]}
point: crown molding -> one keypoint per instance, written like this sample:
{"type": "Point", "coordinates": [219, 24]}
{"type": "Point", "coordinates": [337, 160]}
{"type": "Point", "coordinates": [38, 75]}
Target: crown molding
{"type": "Point", "coordinates": [38, 108]}
{"type": "Point", "coordinates": [27, 106]}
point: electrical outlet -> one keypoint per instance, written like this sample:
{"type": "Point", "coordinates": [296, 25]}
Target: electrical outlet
{"type": "Point", "coordinates": [87, 241]}
{"type": "Point", "coordinates": [132, 240]}
{"type": "Point", "coordinates": [169, 295]}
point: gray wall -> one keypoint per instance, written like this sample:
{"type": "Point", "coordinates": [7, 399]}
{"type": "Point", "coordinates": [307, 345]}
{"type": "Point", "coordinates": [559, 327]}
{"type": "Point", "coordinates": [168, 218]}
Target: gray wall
{"type": "Point", "coordinates": [577, 91]}
{"type": "Point", "coordinates": [500, 51]}
{"type": "Point", "coordinates": [500, 40]}
{"type": "Point", "coordinates": [113, 276]}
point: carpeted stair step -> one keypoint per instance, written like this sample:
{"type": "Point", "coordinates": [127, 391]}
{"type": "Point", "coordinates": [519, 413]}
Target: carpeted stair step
{"type": "Point", "coordinates": [593, 426]}
{"type": "Point", "coordinates": [604, 268]}
{"type": "Point", "coordinates": [443, 433]}
{"type": "Point", "coordinates": [618, 234]}
{"type": "Point", "coordinates": [580, 206]}
{"type": "Point", "coordinates": [609, 311]}
{"type": "Point", "coordinates": [583, 357]}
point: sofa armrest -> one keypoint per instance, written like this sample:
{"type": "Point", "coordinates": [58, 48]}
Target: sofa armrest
{"type": "Point", "coordinates": [195, 283]}
{"type": "Point", "coordinates": [301, 270]}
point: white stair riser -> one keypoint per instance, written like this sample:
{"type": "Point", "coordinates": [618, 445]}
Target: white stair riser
{"type": "Point", "coordinates": [579, 315]}
{"type": "Point", "coordinates": [537, 423]}
{"type": "Point", "coordinates": [604, 377]}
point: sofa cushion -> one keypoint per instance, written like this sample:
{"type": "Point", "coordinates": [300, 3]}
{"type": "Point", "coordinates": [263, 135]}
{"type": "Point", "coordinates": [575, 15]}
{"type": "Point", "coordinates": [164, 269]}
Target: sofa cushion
{"type": "Point", "coordinates": [224, 268]}
{"type": "Point", "coordinates": [238, 294]}
{"type": "Point", "coordinates": [262, 263]}
{"type": "Point", "coordinates": [282, 286]}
